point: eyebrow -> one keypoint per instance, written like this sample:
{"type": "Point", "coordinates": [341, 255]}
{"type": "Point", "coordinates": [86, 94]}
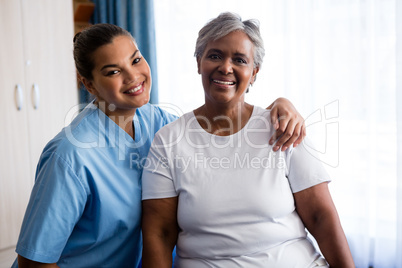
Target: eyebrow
{"type": "Point", "coordinates": [115, 65]}
{"type": "Point", "coordinates": [220, 52]}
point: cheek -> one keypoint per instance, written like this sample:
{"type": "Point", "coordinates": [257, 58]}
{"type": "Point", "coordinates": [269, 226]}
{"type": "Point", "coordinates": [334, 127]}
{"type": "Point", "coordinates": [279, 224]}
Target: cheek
{"type": "Point", "coordinates": [148, 79]}
{"type": "Point", "coordinates": [247, 76]}
{"type": "Point", "coordinates": [109, 87]}
{"type": "Point", "coordinates": [206, 74]}
{"type": "Point", "coordinates": [205, 80]}
{"type": "Point", "coordinates": [206, 67]}
{"type": "Point", "coordinates": [146, 71]}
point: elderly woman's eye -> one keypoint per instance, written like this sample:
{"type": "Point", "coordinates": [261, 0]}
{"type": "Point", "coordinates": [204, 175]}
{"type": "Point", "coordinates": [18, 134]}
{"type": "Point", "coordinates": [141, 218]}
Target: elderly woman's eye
{"type": "Point", "coordinates": [213, 56]}
{"type": "Point", "coordinates": [240, 60]}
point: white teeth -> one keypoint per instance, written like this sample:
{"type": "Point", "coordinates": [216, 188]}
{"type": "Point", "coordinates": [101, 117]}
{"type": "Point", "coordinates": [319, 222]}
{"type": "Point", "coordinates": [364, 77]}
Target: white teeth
{"type": "Point", "coordinates": [223, 82]}
{"type": "Point", "coordinates": [134, 89]}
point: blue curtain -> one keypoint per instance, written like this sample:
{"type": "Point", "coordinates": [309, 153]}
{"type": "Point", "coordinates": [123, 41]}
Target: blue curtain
{"type": "Point", "coordinates": [137, 17]}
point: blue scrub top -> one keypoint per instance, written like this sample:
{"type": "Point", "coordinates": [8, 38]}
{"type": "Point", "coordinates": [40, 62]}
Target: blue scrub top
{"type": "Point", "coordinates": [85, 206]}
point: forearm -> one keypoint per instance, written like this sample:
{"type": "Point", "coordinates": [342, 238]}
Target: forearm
{"type": "Point", "coordinates": [319, 215]}
{"type": "Point", "coordinates": [157, 252]}
{"type": "Point", "coordinates": [331, 239]}
{"type": "Point", "coordinates": [26, 263]}
{"type": "Point", "coordinates": [159, 230]}
{"type": "Point", "coordinates": [280, 101]}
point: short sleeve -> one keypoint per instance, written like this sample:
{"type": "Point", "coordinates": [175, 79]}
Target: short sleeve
{"type": "Point", "coordinates": [305, 169]}
{"type": "Point", "coordinates": [169, 117]}
{"type": "Point", "coordinates": [157, 179]}
{"type": "Point", "coordinates": [57, 201]}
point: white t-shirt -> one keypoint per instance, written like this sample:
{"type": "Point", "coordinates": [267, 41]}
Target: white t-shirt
{"type": "Point", "coordinates": [236, 207]}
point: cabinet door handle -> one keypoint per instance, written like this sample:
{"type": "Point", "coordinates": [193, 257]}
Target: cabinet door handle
{"type": "Point", "coordinates": [18, 96]}
{"type": "Point", "coordinates": [35, 96]}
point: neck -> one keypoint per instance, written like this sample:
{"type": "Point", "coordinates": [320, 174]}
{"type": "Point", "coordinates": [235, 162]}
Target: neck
{"type": "Point", "coordinates": [223, 120]}
{"type": "Point", "coordinates": [122, 117]}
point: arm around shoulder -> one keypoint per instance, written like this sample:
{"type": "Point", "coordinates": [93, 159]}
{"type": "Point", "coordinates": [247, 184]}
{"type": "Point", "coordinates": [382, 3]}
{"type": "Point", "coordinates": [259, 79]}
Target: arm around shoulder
{"type": "Point", "coordinates": [289, 124]}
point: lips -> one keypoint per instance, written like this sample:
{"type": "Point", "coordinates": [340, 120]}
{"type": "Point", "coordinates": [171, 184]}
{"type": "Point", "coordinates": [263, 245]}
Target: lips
{"type": "Point", "coordinates": [135, 90]}
{"type": "Point", "coordinates": [223, 82]}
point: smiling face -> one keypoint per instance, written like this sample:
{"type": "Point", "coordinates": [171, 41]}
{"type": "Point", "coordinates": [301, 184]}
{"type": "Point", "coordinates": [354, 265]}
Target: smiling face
{"type": "Point", "coordinates": [121, 77]}
{"type": "Point", "coordinates": [227, 68]}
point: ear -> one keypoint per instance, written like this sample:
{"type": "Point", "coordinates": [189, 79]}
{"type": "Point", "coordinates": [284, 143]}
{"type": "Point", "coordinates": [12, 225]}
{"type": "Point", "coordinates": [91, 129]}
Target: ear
{"type": "Point", "coordinates": [255, 71]}
{"type": "Point", "coordinates": [89, 86]}
{"type": "Point", "coordinates": [198, 64]}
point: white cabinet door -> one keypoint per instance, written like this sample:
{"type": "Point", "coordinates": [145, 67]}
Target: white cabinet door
{"type": "Point", "coordinates": [15, 177]}
{"type": "Point", "coordinates": [35, 53]}
{"type": "Point", "coordinates": [49, 30]}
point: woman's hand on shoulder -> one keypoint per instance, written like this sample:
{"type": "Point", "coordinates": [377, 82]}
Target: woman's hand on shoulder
{"type": "Point", "coordinates": [289, 125]}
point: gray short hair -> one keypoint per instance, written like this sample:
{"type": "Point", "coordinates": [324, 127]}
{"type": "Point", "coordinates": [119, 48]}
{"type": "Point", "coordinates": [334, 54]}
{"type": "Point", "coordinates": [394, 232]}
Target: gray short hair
{"type": "Point", "coordinates": [223, 25]}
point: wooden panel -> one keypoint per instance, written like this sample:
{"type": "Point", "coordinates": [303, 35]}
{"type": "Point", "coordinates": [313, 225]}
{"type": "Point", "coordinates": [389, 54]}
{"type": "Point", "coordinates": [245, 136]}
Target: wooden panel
{"type": "Point", "coordinates": [48, 31]}
{"type": "Point", "coordinates": [15, 178]}
{"type": "Point", "coordinates": [83, 11]}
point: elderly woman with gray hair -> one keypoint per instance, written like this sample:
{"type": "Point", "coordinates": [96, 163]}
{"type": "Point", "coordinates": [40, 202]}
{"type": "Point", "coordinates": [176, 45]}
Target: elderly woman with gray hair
{"type": "Point", "coordinates": [214, 187]}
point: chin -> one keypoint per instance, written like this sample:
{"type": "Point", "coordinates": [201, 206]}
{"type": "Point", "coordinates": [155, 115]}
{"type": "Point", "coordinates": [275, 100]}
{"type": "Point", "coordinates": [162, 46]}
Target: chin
{"type": "Point", "coordinates": [223, 100]}
{"type": "Point", "coordinates": [143, 101]}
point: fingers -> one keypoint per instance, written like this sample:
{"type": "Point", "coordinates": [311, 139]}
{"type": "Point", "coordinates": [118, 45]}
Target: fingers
{"type": "Point", "coordinates": [275, 124]}
{"type": "Point", "coordinates": [290, 131]}
{"type": "Point", "coordinates": [302, 136]}
{"type": "Point", "coordinates": [288, 123]}
{"type": "Point", "coordinates": [293, 138]}
{"type": "Point", "coordinates": [286, 132]}
{"type": "Point", "coordinates": [280, 127]}
{"type": "Point", "coordinates": [274, 118]}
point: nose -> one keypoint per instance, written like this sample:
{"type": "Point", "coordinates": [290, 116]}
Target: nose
{"type": "Point", "coordinates": [130, 76]}
{"type": "Point", "coordinates": [226, 67]}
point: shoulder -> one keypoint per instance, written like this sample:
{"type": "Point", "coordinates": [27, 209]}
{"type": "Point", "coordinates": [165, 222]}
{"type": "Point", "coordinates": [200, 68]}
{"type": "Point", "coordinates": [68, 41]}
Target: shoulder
{"type": "Point", "coordinates": [179, 125]}
{"type": "Point", "coordinates": [261, 119]}
{"type": "Point", "coordinates": [81, 134]}
{"type": "Point", "coordinates": [261, 112]}
{"type": "Point", "coordinates": [172, 133]}
{"type": "Point", "coordinates": [305, 168]}
{"type": "Point", "coordinates": [155, 113]}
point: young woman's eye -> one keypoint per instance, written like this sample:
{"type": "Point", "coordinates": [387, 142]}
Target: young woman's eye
{"type": "Point", "coordinates": [136, 60]}
{"type": "Point", "coordinates": [112, 73]}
